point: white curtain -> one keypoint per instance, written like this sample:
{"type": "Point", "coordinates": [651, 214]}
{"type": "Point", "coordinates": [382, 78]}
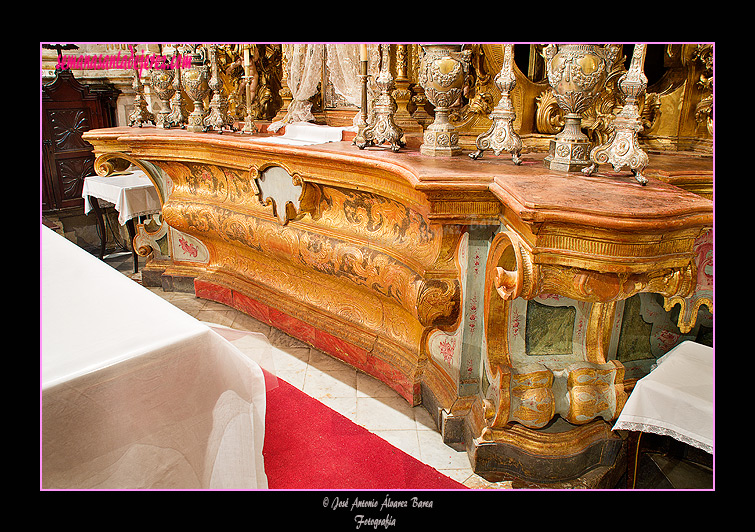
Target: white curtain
{"type": "Point", "coordinates": [304, 73]}
{"type": "Point", "coordinates": [304, 70]}
{"type": "Point", "coordinates": [343, 68]}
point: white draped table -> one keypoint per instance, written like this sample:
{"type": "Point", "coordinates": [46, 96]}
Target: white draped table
{"type": "Point", "coordinates": [135, 393]}
{"type": "Point", "coordinates": [131, 193]}
{"type": "Point", "coordinates": [676, 398]}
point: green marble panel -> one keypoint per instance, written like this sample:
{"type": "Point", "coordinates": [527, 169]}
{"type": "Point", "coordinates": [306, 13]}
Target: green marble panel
{"type": "Point", "coordinates": [550, 330]}
{"type": "Point", "coordinates": [634, 339]}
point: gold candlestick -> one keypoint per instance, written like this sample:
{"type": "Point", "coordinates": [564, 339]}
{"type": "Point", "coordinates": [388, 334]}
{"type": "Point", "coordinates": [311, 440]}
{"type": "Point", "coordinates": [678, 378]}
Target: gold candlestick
{"type": "Point", "coordinates": [359, 139]}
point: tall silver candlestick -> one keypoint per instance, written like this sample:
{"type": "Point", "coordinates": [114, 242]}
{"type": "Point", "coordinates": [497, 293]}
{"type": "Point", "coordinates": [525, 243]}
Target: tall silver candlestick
{"type": "Point", "coordinates": [195, 80]}
{"type": "Point", "coordinates": [217, 118]}
{"type": "Point", "coordinates": [383, 128]}
{"type": "Point", "coordinates": [141, 114]}
{"type": "Point", "coordinates": [501, 135]}
{"type": "Point", "coordinates": [623, 149]}
{"type": "Point", "coordinates": [177, 116]}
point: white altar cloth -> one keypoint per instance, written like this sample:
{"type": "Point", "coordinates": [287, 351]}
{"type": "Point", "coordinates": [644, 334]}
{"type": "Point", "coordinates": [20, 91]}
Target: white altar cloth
{"type": "Point", "coordinates": [305, 134]}
{"type": "Point", "coordinates": [135, 393]}
{"type": "Point", "coordinates": [133, 194]}
{"type": "Point", "coordinates": [676, 398]}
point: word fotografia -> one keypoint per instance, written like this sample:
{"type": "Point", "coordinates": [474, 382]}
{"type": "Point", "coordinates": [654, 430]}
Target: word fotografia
{"type": "Point", "coordinates": [362, 520]}
{"type": "Point", "coordinates": [125, 62]}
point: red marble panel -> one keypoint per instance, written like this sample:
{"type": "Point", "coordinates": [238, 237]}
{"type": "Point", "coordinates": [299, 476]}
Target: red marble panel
{"type": "Point", "coordinates": [342, 350]}
{"type": "Point", "coordinates": [252, 307]}
{"type": "Point", "coordinates": [213, 292]}
{"type": "Point", "coordinates": [292, 326]}
{"type": "Point", "coordinates": [336, 347]}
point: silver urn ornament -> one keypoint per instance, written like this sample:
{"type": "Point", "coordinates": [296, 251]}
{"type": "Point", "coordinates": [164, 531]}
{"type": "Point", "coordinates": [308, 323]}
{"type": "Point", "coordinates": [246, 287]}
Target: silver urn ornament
{"type": "Point", "coordinates": [196, 84]}
{"type": "Point", "coordinates": [162, 84]}
{"type": "Point", "coordinates": [577, 74]}
{"type": "Point", "coordinates": [443, 69]}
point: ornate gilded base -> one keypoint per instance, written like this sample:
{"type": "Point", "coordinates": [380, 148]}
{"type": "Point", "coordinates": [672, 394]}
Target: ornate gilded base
{"type": "Point", "coordinates": [557, 453]}
{"type": "Point", "coordinates": [558, 456]}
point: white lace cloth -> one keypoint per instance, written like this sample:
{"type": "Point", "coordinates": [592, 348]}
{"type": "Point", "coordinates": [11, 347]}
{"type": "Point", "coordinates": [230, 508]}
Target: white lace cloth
{"type": "Point", "coordinates": [676, 398]}
{"type": "Point", "coordinates": [304, 65]}
{"type": "Point", "coordinates": [137, 394]}
{"type": "Point", "coordinates": [132, 193]}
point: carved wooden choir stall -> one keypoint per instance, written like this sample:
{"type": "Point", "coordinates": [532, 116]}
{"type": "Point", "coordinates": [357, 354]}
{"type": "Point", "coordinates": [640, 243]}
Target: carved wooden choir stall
{"type": "Point", "coordinates": [497, 290]}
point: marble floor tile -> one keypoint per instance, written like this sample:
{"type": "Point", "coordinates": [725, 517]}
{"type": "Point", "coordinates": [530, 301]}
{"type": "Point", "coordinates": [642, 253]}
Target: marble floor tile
{"type": "Point", "coordinates": [247, 323]}
{"type": "Point", "coordinates": [424, 420]}
{"type": "Point", "coordinates": [292, 359]}
{"type": "Point", "coordinates": [439, 455]}
{"type": "Point", "coordinates": [368, 386]}
{"type": "Point", "coordinates": [294, 378]}
{"type": "Point", "coordinates": [406, 440]}
{"type": "Point", "coordinates": [324, 362]}
{"type": "Point", "coordinates": [335, 383]}
{"type": "Point", "coordinates": [385, 413]}
{"type": "Point", "coordinates": [219, 317]}
{"type": "Point", "coordinates": [346, 406]}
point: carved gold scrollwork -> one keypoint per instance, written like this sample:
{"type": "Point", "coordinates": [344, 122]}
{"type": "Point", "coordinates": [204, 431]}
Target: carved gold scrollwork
{"type": "Point", "coordinates": [702, 292]}
{"type": "Point", "coordinates": [586, 391]}
{"type": "Point", "coordinates": [549, 118]}
{"type": "Point", "coordinates": [515, 273]}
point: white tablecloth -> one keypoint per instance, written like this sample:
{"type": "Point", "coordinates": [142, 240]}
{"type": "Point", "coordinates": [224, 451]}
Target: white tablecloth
{"type": "Point", "coordinates": [136, 393]}
{"type": "Point", "coordinates": [133, 194]}
{"type": "Point", "coordinates": [676, 398]}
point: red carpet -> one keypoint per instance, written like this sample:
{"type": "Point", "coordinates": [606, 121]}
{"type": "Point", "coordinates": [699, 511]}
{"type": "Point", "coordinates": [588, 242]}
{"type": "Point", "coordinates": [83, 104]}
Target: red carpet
{"type": "Point", "coordinates": [310, 446]}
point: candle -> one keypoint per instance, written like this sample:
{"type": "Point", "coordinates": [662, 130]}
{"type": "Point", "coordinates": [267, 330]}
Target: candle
{"type": "Point", "coordinates": [363, 52]}
{"type": "Point", "coordinates": [246, 55]}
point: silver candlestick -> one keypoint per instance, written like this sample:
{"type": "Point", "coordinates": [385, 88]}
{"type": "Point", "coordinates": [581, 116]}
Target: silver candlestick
{"type": "Point", "coordinates": [442, 73]}
{"type": "Point", "coordinates": [218, 117]}
{"type": "Point", "coordinates": [162, 84]}
{"type": "Point", "coordinates": [141, 114]}
{"type": "Point", "coordinates": [383, 128]}
{"type": "Point", "coordinates": [623, 149]}
{"type": "Point", "coordinates": [501, 135]}
{"type": "Point", "coordinates": [177, 116]}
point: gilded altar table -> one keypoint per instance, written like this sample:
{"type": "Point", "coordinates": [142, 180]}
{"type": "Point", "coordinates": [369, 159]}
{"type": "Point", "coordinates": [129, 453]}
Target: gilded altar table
{"type": "Point", "coordinates": [492, 294]}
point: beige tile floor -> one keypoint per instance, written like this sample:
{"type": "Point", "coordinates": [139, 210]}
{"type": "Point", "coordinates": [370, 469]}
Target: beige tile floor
{"type": "Point", "coordinates": [354, 394]}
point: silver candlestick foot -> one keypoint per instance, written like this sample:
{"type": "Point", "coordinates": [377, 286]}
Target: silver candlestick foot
{"type": "Point", "coordinates": [501, 135]}
{"type": "Point", "coordinates": [623, 149]}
